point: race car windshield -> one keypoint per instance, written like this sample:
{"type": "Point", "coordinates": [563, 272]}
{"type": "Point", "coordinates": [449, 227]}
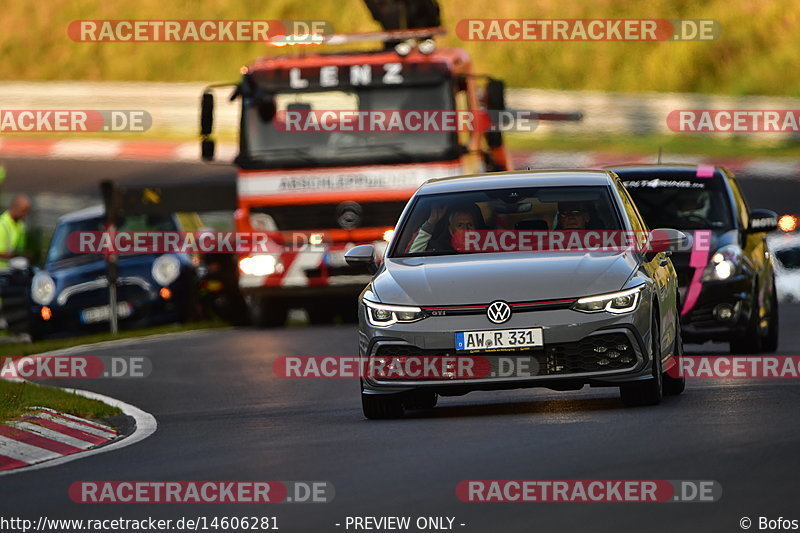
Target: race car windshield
{"type": "Point", "coordinates": [475, 222]}
{"type": "Point", "coordinates": [682, 202]}
{"type": "Point", "coordinates": [307, 129]}
{"type": "Point", "coordinates": [59, 249]}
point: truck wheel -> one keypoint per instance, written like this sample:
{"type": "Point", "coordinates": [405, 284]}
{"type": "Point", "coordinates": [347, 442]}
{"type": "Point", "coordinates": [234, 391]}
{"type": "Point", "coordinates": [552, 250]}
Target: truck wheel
{"type": "Point", "coordinates": [381, 406]}
{"type": "Point", "coordinates": [265, 313]}
{"type": "Point", "coordinates": [649, 392]}
{"type": "Point", "coordinates": [320, 314]}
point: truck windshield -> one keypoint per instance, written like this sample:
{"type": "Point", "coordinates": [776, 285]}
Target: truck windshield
{"type": "Point", "coordinates": [289, 133]}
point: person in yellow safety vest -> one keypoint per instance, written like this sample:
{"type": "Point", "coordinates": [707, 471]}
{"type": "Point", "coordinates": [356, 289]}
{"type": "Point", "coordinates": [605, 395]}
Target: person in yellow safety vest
{"type": "Point", "coordinates": [12, 229]}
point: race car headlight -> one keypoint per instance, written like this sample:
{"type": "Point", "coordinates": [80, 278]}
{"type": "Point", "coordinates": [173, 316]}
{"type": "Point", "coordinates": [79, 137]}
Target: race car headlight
{"type": "Point", "coordinates": [723, 264]}
{"type": "Point", "coordinates": [43, 288]}
{"type": "Point", "coordinates": [166, 269]}
{"type": "Point", "coordinates": [614, 302]}
{"type": "Point", "coordinates": [386, 315]}
{"type": "Point", "coordinates": [258, 265]}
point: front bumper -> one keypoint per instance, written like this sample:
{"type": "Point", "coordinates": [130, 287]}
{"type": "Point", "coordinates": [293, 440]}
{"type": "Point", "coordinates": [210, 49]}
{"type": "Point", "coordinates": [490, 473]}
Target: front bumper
{"type": "Point", "coordinates": [700, 324]}
{"type": "Point", "coordinates": [566, 361]}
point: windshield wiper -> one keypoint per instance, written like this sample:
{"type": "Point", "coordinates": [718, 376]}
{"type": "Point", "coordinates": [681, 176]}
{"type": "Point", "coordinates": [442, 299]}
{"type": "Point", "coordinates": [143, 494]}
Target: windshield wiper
{"type": "Point", "coordinates": [397, 148]}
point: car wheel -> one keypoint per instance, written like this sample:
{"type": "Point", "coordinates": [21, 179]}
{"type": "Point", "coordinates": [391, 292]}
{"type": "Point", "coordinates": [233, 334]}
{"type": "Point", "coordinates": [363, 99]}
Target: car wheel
{"type": "Point", "coordinates": [769, 343]}
{"type": "Point", "coordinates": [420, 400]}
{"type": "Point", "coordinates": [674, 386]}
{"type": "Point", "coordinates": [649, 392]}
{"type": "Point", "coordinates": [381, 406]}
{"type": "Point", "coordinates": [749, 342]}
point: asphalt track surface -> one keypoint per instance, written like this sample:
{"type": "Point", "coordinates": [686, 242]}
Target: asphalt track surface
{"type": "Point", "coordinates": [224, 415]}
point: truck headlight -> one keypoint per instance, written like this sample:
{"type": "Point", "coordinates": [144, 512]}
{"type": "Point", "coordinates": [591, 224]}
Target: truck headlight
{"type": "Point", "coordinates": [724, 263]}
{"type": "Point", "coordinates": [385, 315]}
{"type": "Point", "coordinates": [258, 265]}
{"type": "Point", "coordinates": [613, 302]}
{"type": "Point", "coordinates": [166, 269]}
{"type": "Point", "coordinates": [43, 288]}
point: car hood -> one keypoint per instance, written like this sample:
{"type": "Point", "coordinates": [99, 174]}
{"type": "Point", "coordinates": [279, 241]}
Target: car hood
{"type": "Point", "coordinates": [479, 279]}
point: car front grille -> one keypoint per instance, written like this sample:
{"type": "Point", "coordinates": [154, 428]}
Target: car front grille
{"type": "Point", "coordinates": [595, 353]}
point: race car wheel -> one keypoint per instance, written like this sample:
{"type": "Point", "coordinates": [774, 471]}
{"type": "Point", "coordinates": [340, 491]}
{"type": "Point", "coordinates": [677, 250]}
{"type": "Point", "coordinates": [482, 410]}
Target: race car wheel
{"type": "Point", "coordinates": [649, 392]}
{"type": "Point", "coordinates": [675, 386]}
{"type": "Point", "coordinates": [769, 343]}
{"type": "Point", "coordinates": [749, 342]}
{"type": "Point", "coordinates": [381, 406]}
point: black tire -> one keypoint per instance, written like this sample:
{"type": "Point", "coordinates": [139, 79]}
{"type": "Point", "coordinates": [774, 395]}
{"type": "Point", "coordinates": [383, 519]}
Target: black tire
{"type": "Point", "coordinates": [674, 386]}
{"type": "Point", "coordinates": [648, 392]}
{"type": "Point", "coordinates": [420, 400]}
{"type": "Point", "coordinates": [769, 343]}
{"type": "Point", "coordinates": [267, 314]}
{"type": "Point", "coordinates": [749, 343]}
{"type": "Point", "coordinates": [321, 314]}
{"type": "Point", "coordinates": [381, 406]}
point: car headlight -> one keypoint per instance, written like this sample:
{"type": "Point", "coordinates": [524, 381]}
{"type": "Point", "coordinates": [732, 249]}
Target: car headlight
{"type": "Point", "coordinates": [258, 265]}
{"type": "Point", "coordinates": [386, 315]}
{"type": "Point", "coordinates": [613, 302]}
{"type": "Point", "coordinates": [43, 288]}
{"type": "Point", "coordinates": [724, 263]}
{"type": "Point", "coordinates": [166, 269]}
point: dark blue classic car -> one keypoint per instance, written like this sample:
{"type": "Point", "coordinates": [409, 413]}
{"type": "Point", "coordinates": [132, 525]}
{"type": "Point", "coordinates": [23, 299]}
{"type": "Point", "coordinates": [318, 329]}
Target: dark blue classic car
{"type": "Point", "coordinates": [71, 295]}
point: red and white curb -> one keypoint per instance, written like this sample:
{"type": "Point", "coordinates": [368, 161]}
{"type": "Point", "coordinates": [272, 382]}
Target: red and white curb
{"type": "Point", "coordinates": [44, 434]}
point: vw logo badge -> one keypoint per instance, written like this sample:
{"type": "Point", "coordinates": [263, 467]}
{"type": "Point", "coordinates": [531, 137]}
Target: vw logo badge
{"type": "Point", "coordinates": [498, 312]}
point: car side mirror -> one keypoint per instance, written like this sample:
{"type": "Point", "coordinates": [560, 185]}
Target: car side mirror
{"type": "Point", "coordinates": [363, 255]}
{"type": "Point", "coordinates": [762, 220]}
{"type": "Point", "coordinates": [666, 240]}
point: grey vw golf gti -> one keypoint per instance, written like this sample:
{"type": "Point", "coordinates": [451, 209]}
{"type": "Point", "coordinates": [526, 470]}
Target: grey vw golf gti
{"type": "Point", "coordinates": [510, 280]}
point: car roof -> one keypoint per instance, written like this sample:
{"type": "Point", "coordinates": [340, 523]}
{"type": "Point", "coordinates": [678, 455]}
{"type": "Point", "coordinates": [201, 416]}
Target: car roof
{"type": "Point", "coordinates": [661, 168]}
{"type": "Point", "coordinates": [86, 213]}
{"type": "Point", "coordinates": [517, 178]}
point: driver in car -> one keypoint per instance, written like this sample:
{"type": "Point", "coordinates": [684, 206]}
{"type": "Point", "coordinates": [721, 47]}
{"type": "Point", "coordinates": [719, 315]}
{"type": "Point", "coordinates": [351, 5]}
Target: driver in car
{"type": "Point", "coordinates": [573, 215]}
{"type": "Point", "coordinates": [460, 220]}
{"type": "Point", "coordinates": [691, 204]}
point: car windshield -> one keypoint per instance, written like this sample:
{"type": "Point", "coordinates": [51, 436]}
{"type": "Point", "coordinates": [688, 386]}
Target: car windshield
{"type": "Point", "coordinates": [278, 138]}
{"type": "Point", "coordinates": [468, 222]}
{"type": "Point", "coordinates": [681, 201]}
{"type": "Point", "coordinates": [789, 258]}
{"type": "Point", "coordinates": [59, 249]}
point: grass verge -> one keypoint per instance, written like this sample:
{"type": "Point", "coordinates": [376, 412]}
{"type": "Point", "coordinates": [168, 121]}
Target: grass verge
{"type": "Point", "coordinates": [30, 348]}
{"type": "Point", "coordinates": [16, 398]}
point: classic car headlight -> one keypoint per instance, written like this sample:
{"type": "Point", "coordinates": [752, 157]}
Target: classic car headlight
{"type": "Point", "coordinates": [613, 302]}
{"type": "Point", "coordinates": [724, 263]}
{"type": "Point", "coordinates": [166, 269]}
{"type": "Point", "coordinates": [386, 315]}
{"type": "Point", "coordinates": [43, 288]}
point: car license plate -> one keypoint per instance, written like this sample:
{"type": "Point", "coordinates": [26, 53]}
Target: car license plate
{"type": "Point", "coordinates": [501, 339]}
{"type": "Point", "coordinates": [103, 313]}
